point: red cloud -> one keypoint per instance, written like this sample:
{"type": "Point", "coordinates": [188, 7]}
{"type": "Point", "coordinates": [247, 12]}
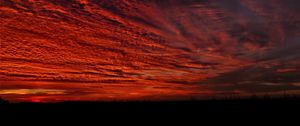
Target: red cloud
{"type": "Point", "coordinates": [175, 43]}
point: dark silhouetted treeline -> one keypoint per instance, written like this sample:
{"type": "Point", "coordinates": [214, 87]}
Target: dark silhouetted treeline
{"type": "Point", "coordinates": [263, 106]}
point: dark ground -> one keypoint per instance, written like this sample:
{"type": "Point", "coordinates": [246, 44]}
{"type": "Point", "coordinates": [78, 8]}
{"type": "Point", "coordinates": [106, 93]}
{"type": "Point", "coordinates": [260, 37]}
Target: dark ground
{"type": "Point", "coordinates": [222, 108]}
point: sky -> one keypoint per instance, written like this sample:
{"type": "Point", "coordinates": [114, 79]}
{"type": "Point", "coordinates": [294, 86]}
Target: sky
{"type": "Point", "coordinates": [112, 50]}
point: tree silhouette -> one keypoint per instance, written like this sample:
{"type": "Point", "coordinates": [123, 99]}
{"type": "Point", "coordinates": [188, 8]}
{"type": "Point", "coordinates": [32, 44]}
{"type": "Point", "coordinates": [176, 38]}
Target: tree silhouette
{"type": "Point", "coordinates": [2, 101]}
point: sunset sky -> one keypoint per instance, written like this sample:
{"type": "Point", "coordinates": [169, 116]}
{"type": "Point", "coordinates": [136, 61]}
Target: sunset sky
{"type": "Point", "coordinates": [111, 50]}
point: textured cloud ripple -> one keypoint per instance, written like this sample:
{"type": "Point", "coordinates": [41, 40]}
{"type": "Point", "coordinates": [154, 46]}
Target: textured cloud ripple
{"type": "Point", "coordinates": [55, 50]}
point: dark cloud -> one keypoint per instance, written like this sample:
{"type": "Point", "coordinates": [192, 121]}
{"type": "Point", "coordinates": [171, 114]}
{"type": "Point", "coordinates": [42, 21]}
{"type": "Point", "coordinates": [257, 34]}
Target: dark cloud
{"type": "Point", "coordinates": [256, 79]}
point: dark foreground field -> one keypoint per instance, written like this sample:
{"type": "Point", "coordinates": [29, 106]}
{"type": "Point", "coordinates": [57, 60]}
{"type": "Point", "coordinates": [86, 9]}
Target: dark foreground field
{"type": "Point", "coordinates": [224, 108]}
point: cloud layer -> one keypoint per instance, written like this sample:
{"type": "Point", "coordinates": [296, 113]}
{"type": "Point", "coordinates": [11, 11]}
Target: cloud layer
{"type": "Point", "coordinates": [229, 46]}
